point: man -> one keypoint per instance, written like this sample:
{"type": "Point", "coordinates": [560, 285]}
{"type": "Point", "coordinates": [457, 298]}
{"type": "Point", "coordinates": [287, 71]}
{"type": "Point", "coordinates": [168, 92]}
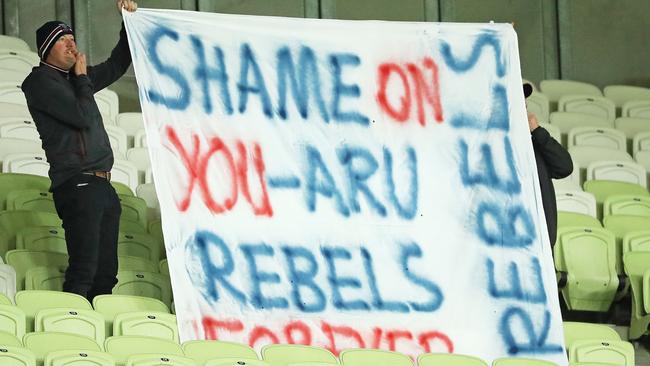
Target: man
{"type": "Point", "coordinates": [59, 95]}
{"type": "Point", "coordinates": [553, 161]}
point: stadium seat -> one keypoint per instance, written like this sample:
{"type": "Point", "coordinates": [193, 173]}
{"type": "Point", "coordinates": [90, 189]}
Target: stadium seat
{"type": "Point", "coordinates": [30, 200]}
{"type": "Point", "coordinates": [12, 181]}
{"type": "Point", "coordinates": [12, 320]}
{"type": "Point", "coordinates": [565, 219]}
{"type": "Point", "coordinates": [5, 300]}
{"type": "Point", "coordinates": [566, 121]}
{"type": "Point", "coordinates": [11, 222]}
{"type": "Point", "coordinates": [163, 267]}
{"type": "Point", "coordinates": [627, 205]}
{"type": "Point", "coordinates": [621, 225]}
{"type": "Point", "coordinates": [145, 284]}
{"type": "Point", "coordinates": [118, 140]}
{"type": "Point", "coordinates": [577, 202]}
{"type": "Point", "coordinates": [122, 347]}
{"type": "Point", "coordinates": [553, 130]}
{"type": "Point", "coordinates": [138, 264]}
{"type": "Point", "coordinates": [111, 305]}
{"type": "Point", "coordinates": [374, 357]}
{"type": "Point", "coordinates": [13, 109]}
{"type": "Point", "coordinates": [520, 361]}
{"type": "Point", "coordinates": [620, 171]}
{"type": "Point", "coordinates": [22, 61]}
{"type": "Point", "coordinates": [9, 146]}
{"type": "Point", "coordinates": [146, 323]}
{"type": "Point", "coordinates": [637, 241]}
{"type": "Point", "coordinates": [126, 173]}
{"type": "Point", "coordinates": [130, 226]}
{"type": "Point", "coordinates": [630, 126]}
{"type": "Point", "coordinates": [42, 343]}
{"type": "Point", "coordinates": [122, 189]}
{"type": "Point", "coordinates": [108, 103]}
{"type": "Point", "coordinates": [31, 302]}
{"type": "Point", "coordinates": [13, 43]}
{"type": "Point", "coordinates": [641, 142]}
{"type": "Point", "coordinates": [140, 138]}
{"type": "Point", "coordinates": [538, 104]}
{"type": "Point", "coordinates": [88, 323]}
{"type": "Point", "coordinates": [570, 183]}
{"type": "Point", "coordinates": [147, 192]}
{"type": "Point", "coordinates": [585, 258]}
{"type": "Point", "coordinates": [22, 260]}
{"type": "Point", "coordinates": [18, 128]}
{"type": "Point", "coordinates": [282, 354]}
{"type": "Point", "coordinates": [11, 93]}
{"type": "Point", "coordinates": [253, 362]}
{"type": "Point", "coordinates": [79, 358]}
{"type": "Point", "coordinates": [26, 163]}
{"type": "Point", "coordinates": [159, 358]}
{"type": "Point", "coordinates": [446, 359]}
{"type": "Point", "coordinates": [555, 89]}
{"type": "Point", "coordinates": [613, 352]}
{"type": "Point", "coordinates": [636, 264]}
{"type": "Point", "coordinates": [588, 104]}
{"type": "Point", "coordinates": [601, 189]}
{"type": "Point", "coordinates": [621, 94]}
{"type": "Point", "coordinates": [139, 156]}
{"type": "Point", "coordinates": [16, 356]}
{"type": "Point", "coordinates": [134, 209]}
{"type": "Point", "coordinates": [585, 155]}
{"type": "Point", "coordinates": [637, 109]}
{"type": "Point", "coordinates": [42, 238]}
{"type": "Point", "coordinates": [8, 339]}
{"type": "Point", "coordinates": [139, 245]}
{"type": "Point", "coordinates": [131, 122]}
{"type": "Point", "coordinates": [576, 331]}
{"type": "Point", "coordinates": [7, 281]}
{"type": "Point", "coordinates": [45, 278]}
{"type": "Point", "coordinates": [608, 138]}
{"type": "Point", "coordinates": [203, 350]}
{"type": "Point", "coordinates": [643, 158]}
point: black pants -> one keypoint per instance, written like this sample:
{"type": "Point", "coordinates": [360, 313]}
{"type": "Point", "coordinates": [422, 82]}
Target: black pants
{"type": "Point", "coordinates": [90, 210]}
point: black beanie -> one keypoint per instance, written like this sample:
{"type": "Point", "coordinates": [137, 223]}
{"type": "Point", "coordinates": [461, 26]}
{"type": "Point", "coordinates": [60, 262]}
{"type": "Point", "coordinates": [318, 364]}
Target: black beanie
{"type": "Point", "coordinates": [48, 34]}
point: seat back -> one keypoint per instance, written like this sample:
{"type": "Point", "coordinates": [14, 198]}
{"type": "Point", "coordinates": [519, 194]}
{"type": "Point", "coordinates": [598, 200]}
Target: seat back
{"type": "Point", "coordinates": [42, 238]}
{"type": "Point", "coordinates": [554, 89]}
{"type": "Point", "coordinates": [282, 354]}
{"type": "Point", "coordinates": [18, 128]}
{"type": "Point", "coordinates": [613, 352]}
{"type": "Point", "coordinates": [519, 361]}
{"type": "Point", "coordinates": [538, 104]}
{"type": "Point", "coordinates": [621, 94]}
{"type": "Point", "coordinates": [88, 323]}
{"type": "Point", "coordinates": [627, 205]}
{"type": "Point", "coordinates": [31, 200]}
{"type": "Point", "coordinates": [588, 104]}
{"type": "Point", "coordinates": [7, 281]}
{"type": "Point", "coordinates": [203, 351]}
{"type": "Point", "coordinates": [16, 356]}
{"type": "Point", "coordinates": [12, 320]}
{"type": "Point", "coordinates": [608, 138]}
{"type": "Point", "coordinates": [122, 347]}
{"type": "Point", "coordinates": [17, 181]}
{"type": "Point", "coordinates": [23, 260]}
{"type": "Point", "coordinates": [145, 284]}
{"type": "Point", "coordinates": [31, 302]}
{"type": "Point", "coordinates": [577, 331]}
{"type": "Point", "coordinates": [146, 323]}
{"type": "Point", "coordinates": [372, 357]}
{"type": "Point", "coordinates": [620, 171]}
{"type": "Point", "coordinates": [576, 201]}
{"type": "Point", "coordinates": [139, 245]}
{"type": "Point", "coordinates": [42, 343]}
{"type": "Point", "coordinates": [636, 109]}
{"type": "Point", "coordinates": [447, 359]}
{"type": "Point", "coordinates": [79, 358]}
{"type": "Point", "coordinates": [630, 126]}
{"type": "Point", "coordinates": [13, 43]}
{"type": "Point", "coordinates": [45, 278]}
{"type": "Point", "coordinates": [111, 305]}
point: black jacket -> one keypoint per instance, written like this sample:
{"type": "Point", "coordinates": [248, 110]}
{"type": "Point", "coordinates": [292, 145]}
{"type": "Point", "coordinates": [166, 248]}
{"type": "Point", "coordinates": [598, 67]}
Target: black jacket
{"type": "Point", "coordinates": [553, 161]}
{"type": "Point", "coordinates": [67, 117]}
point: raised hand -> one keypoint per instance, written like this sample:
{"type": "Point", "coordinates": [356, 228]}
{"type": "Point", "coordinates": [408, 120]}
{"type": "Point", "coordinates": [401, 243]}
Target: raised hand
{"type": "Point", "coordinates": [128, 5]}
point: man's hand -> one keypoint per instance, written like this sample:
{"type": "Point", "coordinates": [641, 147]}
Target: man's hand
{"type": "Point", "coordinates": [128, 5]}
{"type": "Point", "coordinates": [80, 67]}
{"type": "Point", "coordinates": [532, 122]}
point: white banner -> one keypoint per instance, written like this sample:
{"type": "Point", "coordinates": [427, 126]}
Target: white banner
{"type": "Point", "coordinates": [347, 184]}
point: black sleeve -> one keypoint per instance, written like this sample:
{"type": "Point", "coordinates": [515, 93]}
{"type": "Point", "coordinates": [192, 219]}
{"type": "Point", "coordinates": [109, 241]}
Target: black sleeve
{"type": "Point", "coordinates": [557, 158]}
{"type": "Point", "coordinates": [49, 96]}
{"type": "Point", "coordinates": [106, 73]}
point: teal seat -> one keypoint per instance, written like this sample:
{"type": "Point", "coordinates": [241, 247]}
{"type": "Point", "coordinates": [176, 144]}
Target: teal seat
{"type": "Point", "coordinates": [123, 347]}
{"type": "Point", "coordinates": [447, 359]}
{"type": "Point", "coordinates": [521, 362]}
{"type": "Point", "coordinates": [578, 331]}
{"type": "Point", "coordinates": [585, 258]}
{"type": "Point", "coordinates": [146, 323]}
{"type": "Point", "coordinates": [204, 351]}
{"type": "Point", "coordinates": [11, 222]}
{"type": "Point", "coordinates": [45, 278]}
{"type": "Point", "coordinates": [84, 322]}
{"type": "Point", "coordinates": [282, 354]}
{"type": "Point", "coordinates": [42, 343]}
{"type": "Point", "coordinates": [13, 181]}
{"type": "Point", "coordinates": [42, 238]}
{"type": "Point", "coordinates": [31, 302]}
{"type": "Point", "coordinates": [111, 305]}
{"type": "Point", "coordinates": [79, 358]}
{"type": "Point", "coordinates": [22, 260]}
{"type": "Point", "coordinates": [621, 225]}
{"type": "Point", "coordinates": [16, 356]}
{"type": "Point", "coordinates": [374, 357]}
{"type": "Point", "coordinates": [636, 265]}
{"type": "Point", "coordinates": [12, 320]}
{"type": "Point", "coordinates": [613, 352]}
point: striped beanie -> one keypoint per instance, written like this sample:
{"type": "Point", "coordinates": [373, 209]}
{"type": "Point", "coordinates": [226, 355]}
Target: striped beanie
{"type": "Point", "coordinates": [48, 34]}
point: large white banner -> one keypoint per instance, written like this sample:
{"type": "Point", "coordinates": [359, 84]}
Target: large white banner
{"type": "Point", "coordinates": [347, 183]}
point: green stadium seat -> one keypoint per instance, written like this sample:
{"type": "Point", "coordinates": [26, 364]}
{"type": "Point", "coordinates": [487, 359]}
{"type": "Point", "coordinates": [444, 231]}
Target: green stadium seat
{"type": "Point", "coordinates": [614, 352]}
{"type": "Point", "coordinates": [636, 264]}
{"type": "Point", "coordinates": [45, 278]}
{"type": "Point", "coordinates": [42, 343]}
{"type": "Point", "coordinates": [11, 222]}
{"type": "Point", "coordinates": [31, 200]}
{"type": "Point", "coordinates": [627, 205]}
{"type": "Point", "coordinates": [577, 331]}
{"type": "Point", "coordinates": [130, 226]}
{"type": "Point", "coordinates": [22, 260]}
{"type": "Point", "coordinates": [12, 320]}
{"type": "Point", "coordinates": [585, 258]}
{"type": "Point", "coordinates": [621, 225]}
{"type": "Point", "coordinates": [254, 362]}
{"type": "Point", "coordinates": [139, 245]}
{"type": "Point", "coordinates": [521, 362]}
{"type": "Point", "coordinates": [16, 356]}
{"type": "Point", "coordinates": [566, 219]}
{"type": "Point", "coordinates": [636, 241]}
{"type": "Point", "coordinates": [13, 181]}
{"type": "Point", "coordinates": [282, 354]}
{"type": "Point", "coordinates": [8, 339]}
{"type": "Point", "coordinates": [122, 189]}
{"type": "Point", "coordinates": [146, 323]}
{"type": "Point", "coordinates": [79, 358]}
{"type": "Point", "coordinates": [7, 282]}
{"type": "Point", "coordinates": [203, 351]}
{"type": "Point", "coordinates": [619, 171]}
{"type": "Point", "coordinates": [588, 104]}
{"type": "Point", "coordinates": [134, 209]}
{"type": "Point", "coordinates": [139, 264]}
{"type": "Point", "coordinates": [42, 238]}
{"type": "Point", "coordinates": [601, 189]}
{"type": "Point", "coordinates": [621, 94]}
{"type": "Point", "coordinates": [33, 301]}
{"type": "Point", "coordinates": [147, 284]}
{"type": "Point", "coordinates": [163, 267]}
{"type": "Point", "coordinates": [111, 305]}
{"type": "Point", "coordinates": [636, 109]}
{"type": "Point", "coordinates": [576, 201]}
{"type": "Point", "coordinates": [5, 300]}
{"type": "Point", "coordinates": [374, 357]}
{"type": "Point", "coordinates": [88, 323]}
{"type": "Point", "coordinates": [608, 138]}
{"type": "Point", "coordinates": [159, 359]}
{"type": "Point", "coordinates": [123, 347]}
{"type": "Point", "coordinates": [446, 359]}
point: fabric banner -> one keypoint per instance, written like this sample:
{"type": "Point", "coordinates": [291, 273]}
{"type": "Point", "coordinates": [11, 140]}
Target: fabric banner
{"type": "Point", "coordinates": [347, 184]}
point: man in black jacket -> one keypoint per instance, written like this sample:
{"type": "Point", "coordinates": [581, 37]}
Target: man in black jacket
{"type": "Point", "coordinates": [553, 161]}
{"type": "Point", "coordinates": [60, 96]}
